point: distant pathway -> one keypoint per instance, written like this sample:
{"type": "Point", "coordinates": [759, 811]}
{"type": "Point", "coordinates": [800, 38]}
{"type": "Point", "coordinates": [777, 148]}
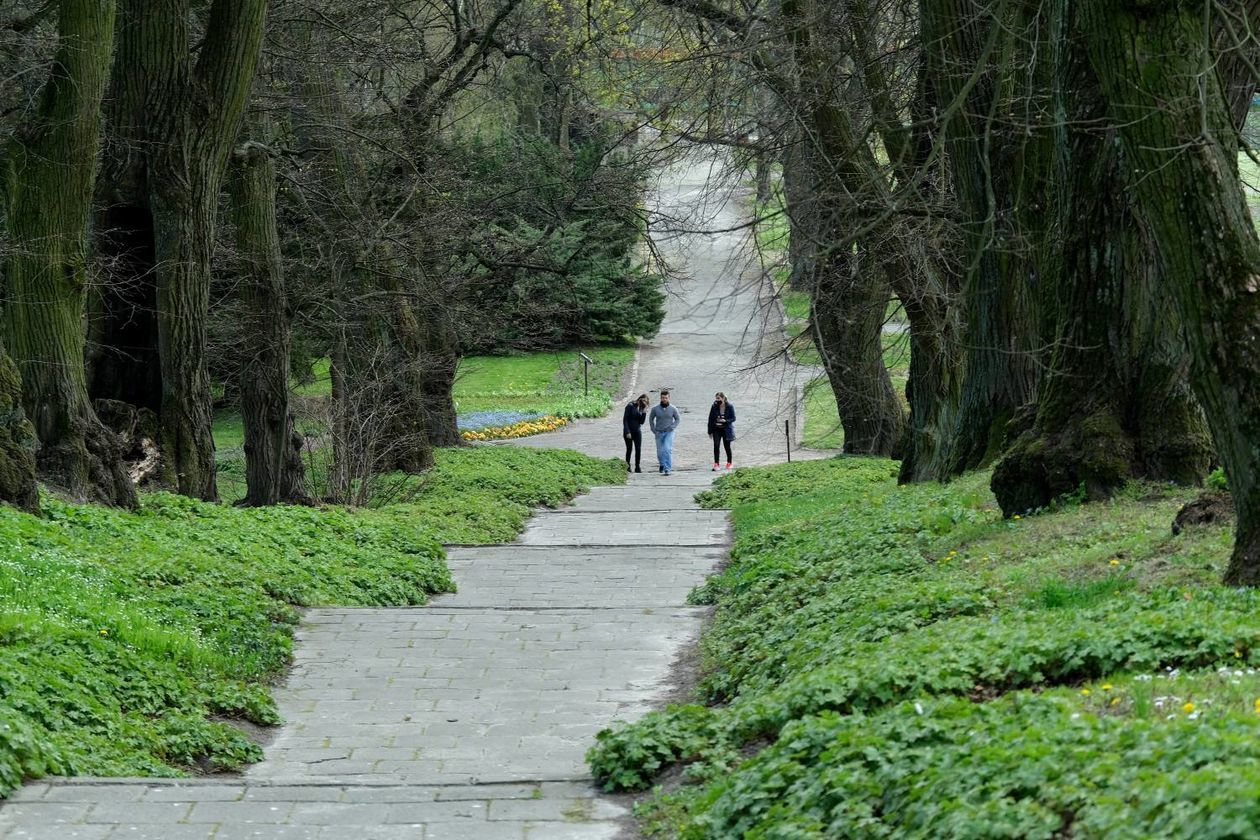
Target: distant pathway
{"type": "Point", "coordinates": [470, 717]}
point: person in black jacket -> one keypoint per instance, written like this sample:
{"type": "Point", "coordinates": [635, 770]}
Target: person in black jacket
{"type": "Point", "coordinates": [722, 428]}
{"type": "Point", "coordinates": [632, 429]}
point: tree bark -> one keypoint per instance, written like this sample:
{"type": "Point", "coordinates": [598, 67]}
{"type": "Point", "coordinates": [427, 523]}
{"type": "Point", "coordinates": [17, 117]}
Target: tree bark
{"type": "Point", "coordinates": [274, 471]}
{"type": "Point", "coordinates": [971, 56]}
{"type": "Point", "coordinates": [1173, 118]}
{"type": "Point", "coordinates": [381, 338]}
{"type": "Point", "coordinates": [850, 297]}
{"type": "Point", "coordinates": [178, 112]}
{"type": "Point", "coordinates": [847, 312]}
{"type": "Point", "coordinates": [17, 442]}
{"type": "Point", "coordinates": [1115, 404]}
{"type": "Point", "coordinates": [801, 215]}
{"type": "Point", "coordinates": [49, 175]}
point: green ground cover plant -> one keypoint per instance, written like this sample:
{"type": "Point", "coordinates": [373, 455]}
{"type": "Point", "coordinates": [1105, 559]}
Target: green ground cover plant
{"type": "Point", "coordinates": [136, 644]}
{"type": "Point", "coordinates": [902, 662]}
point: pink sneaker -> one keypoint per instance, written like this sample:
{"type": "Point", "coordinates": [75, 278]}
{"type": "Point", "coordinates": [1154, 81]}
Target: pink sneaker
{"type": "Point", "coordinates": [715, 468]}
{"type": "Point", "coordinates": [728, 465]}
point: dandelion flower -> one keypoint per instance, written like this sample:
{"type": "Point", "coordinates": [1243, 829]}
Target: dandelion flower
{"type": "Point", "coordinates": [1115, 562]}
{"type": "Point", "coordinates": [1187, 708]}
{"type": "Point", "coordinates": [1106, 687]}
{"type": "Point", "coordinates": [1085, 692]}
{"type": "Point", "coordinates": [1016, 516]}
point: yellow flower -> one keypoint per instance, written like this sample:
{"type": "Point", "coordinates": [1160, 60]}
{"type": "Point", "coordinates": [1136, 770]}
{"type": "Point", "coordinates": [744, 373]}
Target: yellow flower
{"type": "Point", "coordinates": [1016, 516]}
{"type": "Point", "coordinates": [1115, 700]}
{"type": "Point", "coordinates": [1258, 705]}
{"type": "Point", "coordinates": [1085, 691]}
{"type": "Point", "coordinates": [1189, 707]}
{"type": "Point", "coordinates": [103, 631]}
{"type": "Point", "coordinates": [1115, 562]}
{"type": "Point", "coordinates": [1106, 687]}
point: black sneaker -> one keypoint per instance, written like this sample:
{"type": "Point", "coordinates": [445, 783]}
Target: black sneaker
{"type": "Point", "coordinates": [636, 469]}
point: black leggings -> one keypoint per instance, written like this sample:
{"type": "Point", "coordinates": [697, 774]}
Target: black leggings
{"type": "Point", "coordinates": [635, 443]}
{"type": "Point", "coordinates": [718, 440]}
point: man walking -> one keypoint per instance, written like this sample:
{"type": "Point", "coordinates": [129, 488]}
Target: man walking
{"type": "Point", "coordinates": [663, 421]}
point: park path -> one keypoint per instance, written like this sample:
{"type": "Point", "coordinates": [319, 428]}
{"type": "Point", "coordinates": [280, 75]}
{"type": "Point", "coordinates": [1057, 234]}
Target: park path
{"type": "Point", "coordinates": [470, 717]}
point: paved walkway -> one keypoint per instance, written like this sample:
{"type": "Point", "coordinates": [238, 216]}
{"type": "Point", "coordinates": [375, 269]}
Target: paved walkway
{"type": "Point", "coordinates": [470, 717]}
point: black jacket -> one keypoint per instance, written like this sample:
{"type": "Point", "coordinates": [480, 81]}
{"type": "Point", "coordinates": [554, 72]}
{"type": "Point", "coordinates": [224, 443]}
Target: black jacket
{"type": "Point", "coordinates": [632, 419]}
{"type": "Point", "coordinates": [727, 430]}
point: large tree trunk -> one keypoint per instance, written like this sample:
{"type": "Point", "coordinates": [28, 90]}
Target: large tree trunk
{"type": "Point", "coordinates": [17, 442]}
{"type": "Point", "coordinates": [847, 311]}
{"type": "Point", "coordinates": [274, 471]}
{"type": "Point", "coordinates": [441, 362]}
{"type": "Point", "coordinates": [177, 113]}
{"type": "Point", "coordinates": [1115, 404]}
{"type": "Point", "coordinates": [50, 173]}
{"type": "Point", "coordinates": [850, 296]}
{"type": "Point", "coordinates": [1174, 121]}
{"type": "Point", "coordinates": [998, 185]}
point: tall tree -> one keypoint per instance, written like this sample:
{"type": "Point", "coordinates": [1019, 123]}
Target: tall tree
{"type": "Point", "coordinates": [49, 173]}
{"type": "Point", "coordinates": [1172, 114]}
{"type": "Point", "coordinates": [274, 471]}
{"type": "Point", "coordinates": [850, 295]}
{"type": "Point", "coordinates": [176, 110]}
{"type": "Point", "coordinates": [972, 47]}
{"type": "Point", "coordinates": [1115, 402]}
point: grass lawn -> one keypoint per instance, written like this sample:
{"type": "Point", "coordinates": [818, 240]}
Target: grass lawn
{"type": "Point", "coordinates": [131, 643]}
{"type": "Point", "coordinates": [822, 417]}
{"type": "Point", "coordinates": [901, 661]}
{"type": "Point", "coordinates": [550, 381]}
{"type": "Point", "coordinates": [545, 383]}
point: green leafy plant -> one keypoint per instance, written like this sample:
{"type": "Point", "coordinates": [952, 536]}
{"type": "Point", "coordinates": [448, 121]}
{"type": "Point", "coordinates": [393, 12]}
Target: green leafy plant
{"type": "Point", "coordinates": [893, 661]}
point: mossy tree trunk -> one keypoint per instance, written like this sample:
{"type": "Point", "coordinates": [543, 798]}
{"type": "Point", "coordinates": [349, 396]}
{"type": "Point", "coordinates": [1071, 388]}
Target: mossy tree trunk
{"type": "Point", "coordinates": [1173, 119]}
{"type": "Point", "coordinates": [850, 294]}
{"type": "Point", "coordinates": [274, 471]}
{"type": "Point", "coordinates": [974, 60]}
{"type": "Point", "coordinates": [847, 311]}
{"type": "Point", "coordinates": [17, 442]}
{"type": "Point", "coordinates": [49, 175]}
{"type": "Point", "coordinates": [176, 114]}
{"type": "Point", "coordinates": [1115, 403]}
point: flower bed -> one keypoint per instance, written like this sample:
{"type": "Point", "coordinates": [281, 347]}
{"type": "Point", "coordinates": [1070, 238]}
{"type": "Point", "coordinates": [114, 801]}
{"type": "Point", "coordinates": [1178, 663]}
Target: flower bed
{"type": "Point", "coordinates": [473, 421]}
{"type": "Point", "coordinates": [519, 429]}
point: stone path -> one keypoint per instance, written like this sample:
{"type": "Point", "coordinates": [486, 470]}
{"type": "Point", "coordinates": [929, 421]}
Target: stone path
{"type": "Point", "coordinates": [470, 717]}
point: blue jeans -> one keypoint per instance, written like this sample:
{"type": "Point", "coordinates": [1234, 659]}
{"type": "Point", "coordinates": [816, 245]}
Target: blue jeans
{"type": "Point", "coordinates": [665, 449]}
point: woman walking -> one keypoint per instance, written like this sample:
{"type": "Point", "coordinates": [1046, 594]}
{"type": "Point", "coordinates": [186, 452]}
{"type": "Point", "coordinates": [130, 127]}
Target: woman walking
{"type": "Point", "coordinates": [632, 429]}
{"type": "Point", "coordinates": [722, 428]}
